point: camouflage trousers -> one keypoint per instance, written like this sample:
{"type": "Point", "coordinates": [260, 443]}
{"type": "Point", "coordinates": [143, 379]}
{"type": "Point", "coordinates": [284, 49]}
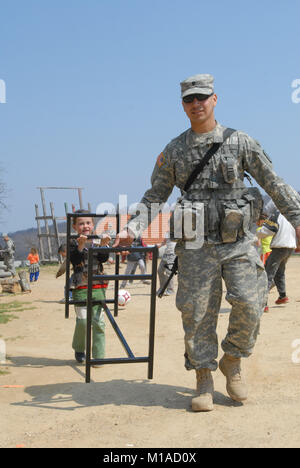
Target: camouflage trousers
{"type": "Point", "coordinates": [199, 298]}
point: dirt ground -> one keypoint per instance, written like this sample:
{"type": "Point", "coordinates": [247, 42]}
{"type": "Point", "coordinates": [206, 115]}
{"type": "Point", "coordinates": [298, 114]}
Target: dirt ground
{"type": "Point", "coordinates": [54, 407]}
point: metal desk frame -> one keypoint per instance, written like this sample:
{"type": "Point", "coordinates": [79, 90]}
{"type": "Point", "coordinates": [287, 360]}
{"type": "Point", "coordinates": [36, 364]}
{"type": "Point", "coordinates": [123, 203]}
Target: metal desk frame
{"type": "Point", "coordinates": [90, 302]}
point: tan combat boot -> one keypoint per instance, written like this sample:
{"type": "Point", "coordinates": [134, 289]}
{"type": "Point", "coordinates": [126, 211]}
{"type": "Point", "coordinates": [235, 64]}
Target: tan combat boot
{"type": "Point", "coordinates": [205, 389]}
{"type": "Point", "coordinates": [236, 385]}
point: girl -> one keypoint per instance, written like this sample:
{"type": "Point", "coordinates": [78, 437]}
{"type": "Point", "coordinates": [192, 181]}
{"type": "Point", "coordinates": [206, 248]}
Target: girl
{"type": "Point", "coordinates": [34, 268]}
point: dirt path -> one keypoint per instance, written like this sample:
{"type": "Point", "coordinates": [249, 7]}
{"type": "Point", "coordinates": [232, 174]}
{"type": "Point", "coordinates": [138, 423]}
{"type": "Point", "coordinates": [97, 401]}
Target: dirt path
{"type": "Point", "coordinates": [120, 407]}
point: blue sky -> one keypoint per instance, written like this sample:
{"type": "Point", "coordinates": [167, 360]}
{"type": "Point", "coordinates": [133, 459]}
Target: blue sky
{"type": "Point", "coordinates": [93, 96]}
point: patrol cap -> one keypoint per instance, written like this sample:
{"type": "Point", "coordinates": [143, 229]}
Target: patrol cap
{"type": "Point", "coordinates": [197, 84]}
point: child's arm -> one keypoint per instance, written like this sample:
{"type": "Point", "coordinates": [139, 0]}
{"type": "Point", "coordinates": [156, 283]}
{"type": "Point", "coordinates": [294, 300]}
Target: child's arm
{"type": "Point", "coordinates": [102, 257]}
{"type": "Point", "coordinates": [105, 239]}
{"type": "Point", "coordinates": [76, 255]}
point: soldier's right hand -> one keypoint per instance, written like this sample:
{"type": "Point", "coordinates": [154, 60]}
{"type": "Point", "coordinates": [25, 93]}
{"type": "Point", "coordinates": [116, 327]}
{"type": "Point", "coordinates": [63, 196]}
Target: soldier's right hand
{"type": "Point", "coordinates": [123, 239]}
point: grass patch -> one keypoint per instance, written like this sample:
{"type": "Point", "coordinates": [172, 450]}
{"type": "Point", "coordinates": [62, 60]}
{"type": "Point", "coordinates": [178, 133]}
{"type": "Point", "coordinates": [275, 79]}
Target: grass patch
{"type": "Point", "coordinates": [7, 310]}
{"type": "Point", "coordinates": [15, 338]}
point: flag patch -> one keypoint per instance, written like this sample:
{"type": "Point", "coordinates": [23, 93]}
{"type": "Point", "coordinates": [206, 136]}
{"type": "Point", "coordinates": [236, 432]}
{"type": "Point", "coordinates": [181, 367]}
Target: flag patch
{"type": "Point", "coordinates": [160, 160]}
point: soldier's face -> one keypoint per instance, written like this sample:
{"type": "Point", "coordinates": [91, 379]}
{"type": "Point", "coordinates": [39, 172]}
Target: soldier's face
{"type": "Point", "coordinates": [200, 111]}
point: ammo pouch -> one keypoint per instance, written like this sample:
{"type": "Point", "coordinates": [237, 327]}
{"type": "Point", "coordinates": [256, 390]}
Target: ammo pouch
{"type": "Point", "coordinates": [231, 222]}
{"type": "Point", "coordinates": [187, 221]}
{"type": "Point", "coordinates": [239, 215]}
{"type": "Point", "coordinates": [229, 169]}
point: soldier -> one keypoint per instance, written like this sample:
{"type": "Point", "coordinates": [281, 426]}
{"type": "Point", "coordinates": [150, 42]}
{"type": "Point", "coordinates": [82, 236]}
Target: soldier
{"type": "Point", "coordinates": [228, 251]}
{"type": "Point", "coordinates": [9, 254]}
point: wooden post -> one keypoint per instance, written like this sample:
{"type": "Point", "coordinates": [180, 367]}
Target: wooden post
{"type": "Point", "coordinates": [55, 225]}
{"type": "Point", "coordinates": [39, 232]}
{"type": "Point", "coordinates": [46, 223]}
{"type": "Point", "coordinates": [80, 198]}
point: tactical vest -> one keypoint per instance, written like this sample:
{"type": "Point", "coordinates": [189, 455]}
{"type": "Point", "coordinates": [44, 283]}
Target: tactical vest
{"type": "Point", "coordinates": [230, 207]}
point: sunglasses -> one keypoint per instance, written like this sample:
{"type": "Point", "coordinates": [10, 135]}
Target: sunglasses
{"type": "Point", "coordinates": [200, 97]}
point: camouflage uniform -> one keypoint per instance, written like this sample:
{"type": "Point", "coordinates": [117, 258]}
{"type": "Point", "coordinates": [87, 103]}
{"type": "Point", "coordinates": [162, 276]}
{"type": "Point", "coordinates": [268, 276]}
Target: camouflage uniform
{"type": "Point", "coordinates": [219, 187]}
{"type": "Point", "coordinates": [9, 255]}
{"type": "Point", "coordinates": [165, 267]}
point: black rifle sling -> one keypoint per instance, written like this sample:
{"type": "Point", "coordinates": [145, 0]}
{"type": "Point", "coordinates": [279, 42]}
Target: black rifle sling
{"type": "Point", "coordinates": [212, 150]}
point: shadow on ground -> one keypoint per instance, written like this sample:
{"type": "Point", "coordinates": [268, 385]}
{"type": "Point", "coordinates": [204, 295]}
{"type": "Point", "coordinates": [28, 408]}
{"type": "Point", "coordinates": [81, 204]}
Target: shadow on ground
{"type": "Point", "coordinates": [75, 395]}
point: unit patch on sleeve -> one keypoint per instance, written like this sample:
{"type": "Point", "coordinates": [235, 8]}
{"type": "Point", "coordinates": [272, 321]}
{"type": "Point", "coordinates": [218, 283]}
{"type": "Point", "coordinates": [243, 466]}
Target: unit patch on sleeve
{"type": "Point", "coordinates": [160, 160]}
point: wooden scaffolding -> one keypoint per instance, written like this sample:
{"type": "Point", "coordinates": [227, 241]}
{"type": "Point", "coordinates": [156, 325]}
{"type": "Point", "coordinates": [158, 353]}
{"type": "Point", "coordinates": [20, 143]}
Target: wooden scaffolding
{"type": "Point", "coordinates": [50, 230]}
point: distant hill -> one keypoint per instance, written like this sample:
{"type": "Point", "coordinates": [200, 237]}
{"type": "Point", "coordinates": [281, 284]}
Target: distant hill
{"type": "Point", "coordinates": [26, 239]}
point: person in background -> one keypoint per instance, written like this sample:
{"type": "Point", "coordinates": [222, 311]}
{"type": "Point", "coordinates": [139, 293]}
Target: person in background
{"type": "Point", "coordinates": [112, 234]}
{"type": "Point", "coordinates": [135, 259]}
{"type": "Point", "coordinates": [284, 243]}
{"type": "Point", "coordinates": [9, 254]}
{"type": "Point", "coordinates": [165, 267]}
{"type": "Point", "coordinates": [62, 251]}
{"type": "Point", "coordinates": [265, 242]}
{"type": "Point", "coordinates": [34, 267]}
